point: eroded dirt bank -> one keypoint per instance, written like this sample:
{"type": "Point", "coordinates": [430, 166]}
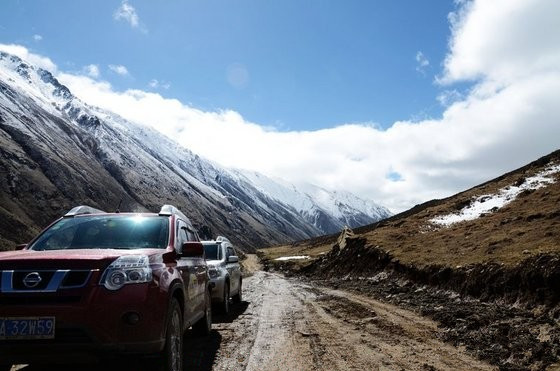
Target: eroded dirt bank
{"type": "Point", "coordinates": [507, 316]}
{"type": "Point", "coordinates": [286, 324]}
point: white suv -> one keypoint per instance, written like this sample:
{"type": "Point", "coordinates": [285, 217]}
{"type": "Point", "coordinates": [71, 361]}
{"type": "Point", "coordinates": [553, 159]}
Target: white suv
{"type": "Point", "coordinates": [224, 272]}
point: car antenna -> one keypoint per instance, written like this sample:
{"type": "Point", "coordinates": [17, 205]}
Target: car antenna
{"type": "Point", "coordinates": [119, 207]}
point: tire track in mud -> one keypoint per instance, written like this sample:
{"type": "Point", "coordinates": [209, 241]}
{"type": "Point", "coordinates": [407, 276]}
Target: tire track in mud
{"type": "Point", "coordinates": [295, 326]}
{"type": "Point", "coordinates": [289, 325]}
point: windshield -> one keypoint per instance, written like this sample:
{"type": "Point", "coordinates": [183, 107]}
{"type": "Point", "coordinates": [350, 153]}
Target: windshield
{"type": "Point", "coordinates": [106, 232]}
{"type": "Point", "coordinates": [212, 251]}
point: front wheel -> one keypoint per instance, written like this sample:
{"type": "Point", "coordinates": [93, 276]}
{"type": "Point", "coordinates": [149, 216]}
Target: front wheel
{"type": "Point", "coordinates": [172, 356]}
{"type": "Point", "coordinates": [204, 325]}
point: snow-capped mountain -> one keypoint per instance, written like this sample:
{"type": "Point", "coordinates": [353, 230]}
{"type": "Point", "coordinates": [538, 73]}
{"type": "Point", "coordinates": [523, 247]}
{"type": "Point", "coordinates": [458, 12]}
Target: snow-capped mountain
{"type": "Point", "coordinates": [327, 210]}
{"type": "Point", "coordinates": [57, 151]}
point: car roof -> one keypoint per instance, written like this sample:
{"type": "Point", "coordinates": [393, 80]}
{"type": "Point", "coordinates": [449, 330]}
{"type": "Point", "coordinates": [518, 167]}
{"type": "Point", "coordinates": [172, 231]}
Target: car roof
{"type": "Point", "coordinates": [166, 211]}
{"type": "Point", "coordinates": [119, 214]}
{"type": "Point", "coordinates": [211, 242]}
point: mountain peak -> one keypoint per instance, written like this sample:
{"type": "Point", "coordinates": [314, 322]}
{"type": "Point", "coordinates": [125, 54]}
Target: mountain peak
{"type": "Point", "coordinates": [60, 152]}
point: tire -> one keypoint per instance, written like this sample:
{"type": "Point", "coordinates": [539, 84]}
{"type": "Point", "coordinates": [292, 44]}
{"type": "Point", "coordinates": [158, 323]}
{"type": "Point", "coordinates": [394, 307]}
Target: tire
{"type": "Point", "coordinates": [204, 325]}
{"type": "Point", "coordinates": [172, 355]}
{"type": "Point", "coordinates": [224, 305]}
{"type": "Point", "coordinates": [238, 298]}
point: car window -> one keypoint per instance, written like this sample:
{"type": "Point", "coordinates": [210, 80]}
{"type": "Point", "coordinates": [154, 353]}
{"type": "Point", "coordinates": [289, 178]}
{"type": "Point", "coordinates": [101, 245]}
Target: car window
{"type": "Point", "coordinates": [105, 232]}
{"type": "Point", "coordinates": [190, 235]}
{"type": "Point", "coordinates": [230, 251]}
{"type": "Point", "coordinates": [212, 251]}
{"type": "Point", "coordinates": [182, 236]}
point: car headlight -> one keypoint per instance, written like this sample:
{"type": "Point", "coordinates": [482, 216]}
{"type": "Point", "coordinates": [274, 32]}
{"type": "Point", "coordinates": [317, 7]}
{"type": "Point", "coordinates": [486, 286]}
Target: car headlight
{"type": "Point", "coordinates": [213, 272]}
{"type": "Point", "coordinates": [126, 270]}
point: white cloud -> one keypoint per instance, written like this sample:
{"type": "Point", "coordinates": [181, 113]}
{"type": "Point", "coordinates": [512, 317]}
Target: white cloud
{"type": "Point", "coordinates": [508, 118]}
{"type": "Point", "coordinates": [119, 69]}
{"type": "Point", "coordinates": [478, 138]}
{"type": "Point", "coordinates": [92, 70]}
{"type": "Point", "coordinates": [422, 62]}
{"type": "Point", "coordinates": [448, 97]}
{"type": "Point", "coordinates": [37, 37]}
{"type": "Point", "coordinates": [33, 58]}
{"type": "Point", "coordinates": [128, 13]}
{"type": "Point", "coordinates": [156, 84]}
{"type": "Point", "coordinates": [503, 40]}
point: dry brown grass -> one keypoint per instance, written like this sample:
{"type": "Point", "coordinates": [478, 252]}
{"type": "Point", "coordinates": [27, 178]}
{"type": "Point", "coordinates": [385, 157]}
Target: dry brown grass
{"type": "Point", "coordinates": [528, 226]}
{"type": "Point", "coordinates": [269, 255]}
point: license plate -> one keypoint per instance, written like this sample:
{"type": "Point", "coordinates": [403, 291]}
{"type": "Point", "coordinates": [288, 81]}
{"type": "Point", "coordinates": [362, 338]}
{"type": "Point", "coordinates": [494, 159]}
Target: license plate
{"type": "Point", "coordinates": [22, 328]}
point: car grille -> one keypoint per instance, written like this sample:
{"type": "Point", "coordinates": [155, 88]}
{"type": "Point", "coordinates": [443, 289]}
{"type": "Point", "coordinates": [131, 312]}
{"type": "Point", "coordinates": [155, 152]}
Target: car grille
{"type": "Point", "coordinates": [18, 277]}
{"type": "Point", "coordinates": [75, 279]}
{"type": "Point", "coordinates": [42, 281]}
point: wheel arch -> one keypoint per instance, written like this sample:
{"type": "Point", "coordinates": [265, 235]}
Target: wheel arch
{"type": "Point", "coordinates": [177, 291]}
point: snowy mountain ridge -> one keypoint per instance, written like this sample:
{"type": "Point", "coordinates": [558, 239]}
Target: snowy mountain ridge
{"type": "Point", "coordinates": [311, 201]}
{"type": "Point", "coordinates": [53, 138]}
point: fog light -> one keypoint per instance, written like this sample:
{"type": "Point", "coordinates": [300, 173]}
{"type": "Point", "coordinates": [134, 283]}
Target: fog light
{"type": "Point", "coordinates": [131, 318]}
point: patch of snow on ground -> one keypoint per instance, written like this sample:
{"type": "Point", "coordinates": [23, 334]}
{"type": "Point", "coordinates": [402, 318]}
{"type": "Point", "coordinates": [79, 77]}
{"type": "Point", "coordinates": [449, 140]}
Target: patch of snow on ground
{"type": "Point", "coordinates": [489, 203]}
{"type": "Point", "coordinates": [296, 257]}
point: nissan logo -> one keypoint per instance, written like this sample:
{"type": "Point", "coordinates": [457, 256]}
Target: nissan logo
{"type": "Point", "coordinates": [32, 280]}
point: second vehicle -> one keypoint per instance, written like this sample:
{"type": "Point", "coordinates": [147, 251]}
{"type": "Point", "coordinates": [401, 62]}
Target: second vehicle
{"type": "Point", "coordinates": [224, 272]}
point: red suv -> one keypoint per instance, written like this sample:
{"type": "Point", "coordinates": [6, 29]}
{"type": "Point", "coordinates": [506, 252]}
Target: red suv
{"type": "Point", "coordinates": [95, 284]}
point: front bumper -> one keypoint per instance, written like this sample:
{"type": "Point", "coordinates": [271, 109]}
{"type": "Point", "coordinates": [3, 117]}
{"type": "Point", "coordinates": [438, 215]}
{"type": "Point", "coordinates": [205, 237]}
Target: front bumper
{"type": "Point", "coordinates": [89, 322]}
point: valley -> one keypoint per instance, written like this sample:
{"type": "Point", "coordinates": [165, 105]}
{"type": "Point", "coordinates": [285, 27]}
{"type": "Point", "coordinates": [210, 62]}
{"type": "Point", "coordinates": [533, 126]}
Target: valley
{"type": "Point", "coordinates": [332, 281]}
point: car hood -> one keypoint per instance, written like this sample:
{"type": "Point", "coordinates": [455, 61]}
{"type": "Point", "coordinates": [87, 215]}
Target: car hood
{"type": "Point", "coordinates": [213, 263]}
{"type": "Point", "coordinates": [72, 259]}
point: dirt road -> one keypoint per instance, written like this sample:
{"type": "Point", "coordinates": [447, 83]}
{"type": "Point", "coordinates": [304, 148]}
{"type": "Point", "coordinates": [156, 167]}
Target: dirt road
{"type": "Point", "coordinates": [285, 324]}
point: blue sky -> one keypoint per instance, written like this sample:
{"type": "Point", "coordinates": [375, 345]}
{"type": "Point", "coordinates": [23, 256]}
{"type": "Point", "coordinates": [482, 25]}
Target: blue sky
{"type": "Point", "coordinates": [293, 65]}
{"type": "Point", "coordinates": [340, 94]}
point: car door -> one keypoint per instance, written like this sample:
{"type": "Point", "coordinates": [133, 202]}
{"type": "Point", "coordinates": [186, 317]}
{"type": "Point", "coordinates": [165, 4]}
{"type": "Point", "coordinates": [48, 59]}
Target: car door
{"type": "Point", "coordinates": [201, 273]}
{"type": "Point", "coordinates": [187, 270]}
{"type": "Point", "coordinates": [237, 269]}
{"type": "Point", "coordinates": [233, 270]}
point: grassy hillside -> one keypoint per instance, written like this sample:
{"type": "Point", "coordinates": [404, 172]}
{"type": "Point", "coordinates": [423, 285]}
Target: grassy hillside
{"type": "Point", "coordinates": [527, 226]}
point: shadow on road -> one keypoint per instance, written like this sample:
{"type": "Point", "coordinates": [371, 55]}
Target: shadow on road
{"type": "Point", "coordinates": [235, 311]}
{"type": "Point", "coordinates": [200, 352]}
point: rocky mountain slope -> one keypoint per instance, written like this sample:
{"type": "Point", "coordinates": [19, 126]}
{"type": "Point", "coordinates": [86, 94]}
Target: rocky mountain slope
{"type": "Point", "coordinates": [57, 152]}
{"type": "Point", "coordinates": [327, 210]}
{"type": "Point", "coordinates": [485, 264]}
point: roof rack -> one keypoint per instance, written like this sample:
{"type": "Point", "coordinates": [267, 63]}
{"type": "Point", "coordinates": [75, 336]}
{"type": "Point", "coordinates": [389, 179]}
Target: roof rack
{"type": "Point", "coordinates": [169, 210]}
{"type": "Point", "coordinates": [82, 210]}
{"type": "Point", "coordinates": [222, 239]}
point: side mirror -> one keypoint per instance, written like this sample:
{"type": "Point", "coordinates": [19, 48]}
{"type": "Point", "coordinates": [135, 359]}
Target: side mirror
{"type": "Point", "coordinates": [233, 259]}
{"type": "Point", "coordinates": [192, 250]}
{"type": "Point", "coordinates": [21, 246]}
